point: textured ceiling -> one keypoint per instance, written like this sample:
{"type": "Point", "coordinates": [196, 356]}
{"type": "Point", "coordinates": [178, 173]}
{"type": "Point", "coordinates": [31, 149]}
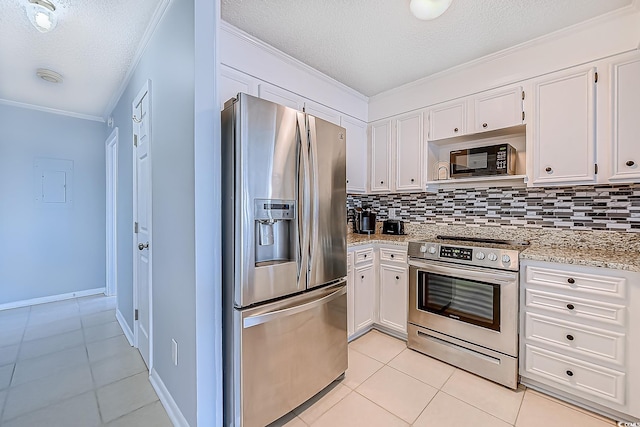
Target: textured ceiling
{"type": "Point", "coordinates": [376, 45]}
{"type": "Point", "coordinates": [92, 47]}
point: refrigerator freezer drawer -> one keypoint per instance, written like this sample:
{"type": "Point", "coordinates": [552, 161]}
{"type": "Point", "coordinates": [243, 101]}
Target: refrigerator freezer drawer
{"type": "Point", "coordinates": [289, 351]}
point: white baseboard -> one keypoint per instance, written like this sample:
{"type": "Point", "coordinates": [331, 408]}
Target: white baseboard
{"type": "Point", "coordinates": [175, 415]}
{"type": "Point", "coordinates": [51, 298]}
{"type": "Point", "coordinates": [128, 333]}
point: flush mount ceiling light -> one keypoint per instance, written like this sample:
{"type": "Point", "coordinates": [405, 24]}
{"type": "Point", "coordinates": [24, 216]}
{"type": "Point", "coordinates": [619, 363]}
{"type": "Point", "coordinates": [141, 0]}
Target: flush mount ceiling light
{"type": "Point", "coordinates": [429, 9]}
{"type": "Point", "coordinates": [49, 75]}
{"type": "Point", "coordinates": [42, 14]}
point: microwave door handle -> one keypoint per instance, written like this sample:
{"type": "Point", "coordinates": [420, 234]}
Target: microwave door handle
{"type": "Point", "coordinates": [303, 203]}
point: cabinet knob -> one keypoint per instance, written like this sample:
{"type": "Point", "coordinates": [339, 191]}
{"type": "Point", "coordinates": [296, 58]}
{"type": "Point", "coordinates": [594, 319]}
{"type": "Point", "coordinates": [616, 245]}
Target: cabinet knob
{"type": "Point", "coordinates": [392, 255]}
{"type": "Point", "coordinates": [362, 277]}
{"type": "Point", "coordinates": [571, 280]}
{"type": "Point", "coordinates": [347, 181]}
{"type": "Point", "coordinates": [413, 180]}
{"type": "Point", "coordinates": [455, 130]}
{"type": "Point", "coordinates": [630, 163]}
{"type": "Point", "coordinates": [365, 255]}
{"type": "Point", "coordinates": [548, 169]}
{"type": "Point", "coordinates": [484, 125]}
{"type": "Point", "coordinates": [381, 182]}
{"type": "Point", "coordinates": [570, 373]}
{"type": "Point", "coordinates": [571, 306]}
{"type": "Point", "coordinates": [397, 277]}
{"type": "Point", "coordinates": [570, 337]}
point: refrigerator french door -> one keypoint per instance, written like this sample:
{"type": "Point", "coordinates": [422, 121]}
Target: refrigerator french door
{"type": "Point", "coordinates": [284, 260]}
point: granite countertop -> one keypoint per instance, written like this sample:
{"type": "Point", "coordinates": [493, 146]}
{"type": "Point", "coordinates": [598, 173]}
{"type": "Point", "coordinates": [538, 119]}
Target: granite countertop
{"type": "Point", "coordinates": [606, 249]}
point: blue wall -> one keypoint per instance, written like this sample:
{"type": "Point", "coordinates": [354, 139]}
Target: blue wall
{"type": "Point", "coordinates": [49, 250]}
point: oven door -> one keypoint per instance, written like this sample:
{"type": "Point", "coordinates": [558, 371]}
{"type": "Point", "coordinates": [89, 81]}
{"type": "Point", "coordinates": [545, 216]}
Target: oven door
{"type": "Point", "coordinates": [477, 305]}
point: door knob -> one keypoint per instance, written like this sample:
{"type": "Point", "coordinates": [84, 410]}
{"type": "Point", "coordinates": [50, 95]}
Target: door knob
{"type": "Point", "coordinates": [142, 246]}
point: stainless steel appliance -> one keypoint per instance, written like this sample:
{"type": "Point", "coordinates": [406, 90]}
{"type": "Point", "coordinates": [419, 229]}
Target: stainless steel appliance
{"type": "Point", "coordinates": [480, 161]}
{"type": "Point", "coordinates": [393, 226]}
{"type": "Point", "coordinates": [364, 221]}
{"type": "Point", "coordinates": [284, 262]}
{"type": "Point", "coordinates": [463, 305]}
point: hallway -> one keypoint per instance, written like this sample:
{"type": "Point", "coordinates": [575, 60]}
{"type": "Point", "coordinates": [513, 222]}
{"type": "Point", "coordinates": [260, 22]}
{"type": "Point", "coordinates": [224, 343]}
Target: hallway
{"type": "Point", "coordinates": [68, 363]}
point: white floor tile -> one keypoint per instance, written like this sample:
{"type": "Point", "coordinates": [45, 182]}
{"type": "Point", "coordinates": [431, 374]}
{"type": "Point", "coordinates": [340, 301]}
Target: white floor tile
{"type": "Point", "coordinates": [445, 410]}
{"type": "Point", "coordinates": [354, 411]}
{"type": "Point", "coordinates": [78, 411]}
{"type": "Point", "coordinates": [490, 397]}
{"type": "Point", "coordinates": [6, 372]}
{"type": "Point", "coordinates": [152, 415]}
{"type": "Point", "coordinates": [56, 306]}
{"type": "Point", "coordinates": [538, 411]}
{"type": "Point", "coordinates": [125, 396]}
{"type": "Point", "coordinates": [11, 335]}
{"type": "Point", "coordinates": [569, 405]}
{"type": "Point", "coordinates": [50, 364]}
{"type": "Point", "coordinates": [379, 346]}
{"type": "Point", "coordinates": [14, 313]}
{"type": "Point", "coordinates": [8, 354]}
{"type": "Point", "coordinates": [98, 318]}
{"type": "Point", "coordinates": [426, 369]}
{"type": "Point", "coordinates": [41, 393]}
{"type": "Point", "coordinates": [102, 332]}
{"type": "Point", "coordinates": [289, 420]}
{"type": "Point", "coordinates": [96, 303]}
{"type": "Point", "coordinates": [398, 393]}
{"type": "Point", "coordinates": [114, 369]}
{"type": "Point", "coordinates": [311, 410]}
{"type": "Point", "coordinates": [51, 344]}
{"type": "Point", "coordinates": [111, 347]}
{"type": "Point", "coordinates": [53, 327]}
{"type": "Point", "coordinates": [360, 368]}
{"type": "Point", "coordinates": [3, 397]}
{"type": "Point", "coordinates": [50, 314]}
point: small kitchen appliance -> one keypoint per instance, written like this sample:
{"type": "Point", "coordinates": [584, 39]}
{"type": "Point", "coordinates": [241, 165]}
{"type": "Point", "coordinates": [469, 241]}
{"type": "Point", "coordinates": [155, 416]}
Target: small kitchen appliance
{"type": "Point", "coordinates": [497, 159]}
{"type": "Point", "coordinates": [364, 221]}
{"type": "Point", "coordinates": [393, 226]}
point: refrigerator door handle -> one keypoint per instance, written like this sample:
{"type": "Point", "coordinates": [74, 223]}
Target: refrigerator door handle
{"type": "Point", "coordinates": [278, 314]}
{"type": "Point", "coordinates": [314, 224]}
{"type": "Point", "coordinates": [303, 202]}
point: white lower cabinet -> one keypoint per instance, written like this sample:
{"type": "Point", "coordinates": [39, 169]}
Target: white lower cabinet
{"type": "Point", "coordinates": [393, 296]}
{"type": "Point", "coordinates": [364, 295]}
{"type": "Point", "coordinates": [580, 335]}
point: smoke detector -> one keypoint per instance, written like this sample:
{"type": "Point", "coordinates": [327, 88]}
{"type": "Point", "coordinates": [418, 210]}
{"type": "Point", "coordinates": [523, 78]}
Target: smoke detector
{"type": "Point", "coordinates": [49, 75]}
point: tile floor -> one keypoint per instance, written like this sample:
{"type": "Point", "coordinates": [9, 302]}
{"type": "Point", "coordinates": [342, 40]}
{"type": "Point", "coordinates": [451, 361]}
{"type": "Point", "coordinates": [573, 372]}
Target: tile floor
{"type": "Point", "coordinates": [389, 385]}
{"type": "Point", "coordinates": [67, 364]}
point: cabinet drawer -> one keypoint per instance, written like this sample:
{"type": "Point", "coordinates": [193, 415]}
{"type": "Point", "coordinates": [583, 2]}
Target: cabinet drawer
{"type": "Point", "coordinates": [363, 255]}
{"type": "Point", "coordinates": [394, 255]}
{"type": "Point", "coordinates": [587, 284]}
{"type": "Point", "coordinates": [577, 339]}
{"type": "Point", "coordinates": [584, 379]}
{"type": "Point", "coordinates": [577, 308]}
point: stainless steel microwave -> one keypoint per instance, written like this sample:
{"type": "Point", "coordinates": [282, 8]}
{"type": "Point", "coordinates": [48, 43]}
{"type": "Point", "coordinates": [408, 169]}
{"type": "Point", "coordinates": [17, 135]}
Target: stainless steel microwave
{"type": "Point", "coordinates": [481, 161]}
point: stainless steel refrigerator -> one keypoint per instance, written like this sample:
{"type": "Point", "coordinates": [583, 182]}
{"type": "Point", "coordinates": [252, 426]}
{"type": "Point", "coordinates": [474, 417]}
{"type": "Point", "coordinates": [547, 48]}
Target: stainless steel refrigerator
{"type": "Point", "coordinates": [284, 260]}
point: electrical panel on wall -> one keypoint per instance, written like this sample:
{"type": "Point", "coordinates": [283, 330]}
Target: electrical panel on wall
{"type": "Point", "coordinates": [53, 182]}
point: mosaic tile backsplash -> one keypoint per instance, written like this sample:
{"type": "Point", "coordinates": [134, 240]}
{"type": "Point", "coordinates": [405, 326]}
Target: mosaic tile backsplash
{"type": "Point", "coordinates": [600, 207]}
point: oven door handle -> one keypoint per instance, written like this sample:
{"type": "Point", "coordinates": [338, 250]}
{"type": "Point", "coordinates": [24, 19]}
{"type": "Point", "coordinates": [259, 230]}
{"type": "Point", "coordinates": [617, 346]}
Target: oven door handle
{"type": "Point", "coordinates": [464, 272]}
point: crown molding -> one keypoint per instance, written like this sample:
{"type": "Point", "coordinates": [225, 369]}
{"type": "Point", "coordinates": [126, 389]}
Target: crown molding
{"type": "Point", "coordinates": [51, 110]}
{"type": "Point", "coordinates": [237, 32]}
{"type": "Point", "coordinates": [563, 32]}
{"type": "Point", "coordinates": [151, 28]}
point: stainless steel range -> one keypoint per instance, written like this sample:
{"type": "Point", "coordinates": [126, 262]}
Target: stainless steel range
{"type": "Point", "coordinates": [463, 304]}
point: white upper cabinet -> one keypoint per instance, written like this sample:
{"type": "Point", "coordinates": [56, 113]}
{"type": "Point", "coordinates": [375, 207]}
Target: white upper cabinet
{"type": "Point", "coordinates": [498, 110]}
{"type": "Point", "coordinates": [447, 121]}
{"type": "Point", "coordinates": [409, 152]}
{"type": "Point", "coordinates": [381, 156]}
{"type": "Point", "coordinates": [280, 96]}
{"type": "Point", "coordinates": [357, 154]}
{"type": "Point", "coordinates": [232, 82]}
{"type": "Point", "coordinates": [564, 128]}
{"type": "Point", "coordinates": [322, 112]}
{"type": "Point", "coordinates": [625, 99]}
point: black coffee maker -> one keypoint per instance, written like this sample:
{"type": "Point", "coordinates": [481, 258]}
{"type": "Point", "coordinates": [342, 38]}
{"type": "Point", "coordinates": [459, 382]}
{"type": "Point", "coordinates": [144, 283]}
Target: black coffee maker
{"type": "Point", "coordinates": [364, 221]}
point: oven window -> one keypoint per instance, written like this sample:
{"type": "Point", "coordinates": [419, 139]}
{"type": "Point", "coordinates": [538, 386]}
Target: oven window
{"type": "Point", "coordinates": [466, 300]}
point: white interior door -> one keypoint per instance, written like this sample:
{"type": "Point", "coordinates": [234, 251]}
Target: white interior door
{"type": "Point", "coordinates": [111, 153]}
{"type": "Point", "coordinates": [142, 217]}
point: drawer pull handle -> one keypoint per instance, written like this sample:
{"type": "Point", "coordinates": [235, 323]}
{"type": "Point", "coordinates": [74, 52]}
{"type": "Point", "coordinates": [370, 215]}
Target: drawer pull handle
{"type": "Point", "coordinates": [455, 130]}
{"type": "Point", "coordinates": [391, 255]}
{"type": "Point", "coordinates": [484, 125]}
{"type": "Point", "coordinates": [570, 373]}
{"type": "Point", "coordinates": [548, 169]}
{"type": "Point", "coordinates": [365, 255]}
{"type": "Point", "coordinates": [362, 277]}
{"type": "Point", "coordinates": [571, 280]}
{"type": "Point", "coordinates": [570, 337]}
{"type": "Point", "coordinates": [397, 277]}
{"type": "Point", "coordinates": [571, 306]}
{"type": "Point", "coordinates": [630, 163]}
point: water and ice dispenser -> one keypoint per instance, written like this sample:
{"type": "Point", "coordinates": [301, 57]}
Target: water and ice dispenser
{"type": "Point", "coordinates": [275, 231]}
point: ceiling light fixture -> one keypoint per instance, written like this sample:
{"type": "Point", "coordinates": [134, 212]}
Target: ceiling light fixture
{"type": "Point", "coordinates": [429, 9]}
{"type": "Point", "coordinates": [42, 14]}
{"type": "Point", "coordinates": [49, 75]}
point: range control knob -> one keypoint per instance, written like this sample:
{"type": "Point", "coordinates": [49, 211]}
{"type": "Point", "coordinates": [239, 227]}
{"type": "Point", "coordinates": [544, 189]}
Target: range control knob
{"type": "Point", "coordinates": [432, 250]}
{"type": "Point", "coordinates": [506, 258]}
{"type": "Point", "coordinates": [423, 248]}
{"type": "Point", "coordinates": [492, 256]}
{"type": "Point", "coordinates": [480, 255]}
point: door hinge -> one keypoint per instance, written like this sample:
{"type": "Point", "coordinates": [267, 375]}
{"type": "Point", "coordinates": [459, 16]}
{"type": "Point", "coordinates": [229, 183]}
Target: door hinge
{"type": "Point", "coordinates": [135, 140]}
{"type": "Point", "coordinates": [135, 227]}
{"type": "Point", "coordinates": [135, 314]}
{"type": "Point", "coordinates": [596, 77]}
{"type": "Point", "coordinates": [523, 116]}
{"type": "Point", "coordinates": [596, 169]}
{"type": "Point", "coordinates": [523, 95]}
